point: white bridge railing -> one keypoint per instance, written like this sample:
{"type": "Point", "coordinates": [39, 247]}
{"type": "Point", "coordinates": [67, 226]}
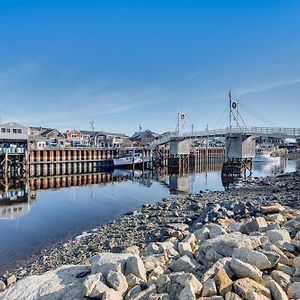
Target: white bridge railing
{"type": "Point", "coordinates": [276, 132]}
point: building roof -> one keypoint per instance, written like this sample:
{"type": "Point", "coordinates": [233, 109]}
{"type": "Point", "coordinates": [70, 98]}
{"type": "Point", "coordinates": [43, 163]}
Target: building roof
{"type": "Point", "coordinates": [115, 134]}
{"type": "Point", "coordinates": [12, 125]}
{"type": "Point", "coordinates": [140, 135]}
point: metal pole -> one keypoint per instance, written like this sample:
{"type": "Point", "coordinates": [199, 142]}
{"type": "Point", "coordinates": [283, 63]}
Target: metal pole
{"type": "Point", "coordinates": [230, 110]}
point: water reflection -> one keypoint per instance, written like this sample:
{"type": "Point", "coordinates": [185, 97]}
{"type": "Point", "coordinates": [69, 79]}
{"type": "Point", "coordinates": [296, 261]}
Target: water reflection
{"type": "Point", "coordinates": [15, 198]}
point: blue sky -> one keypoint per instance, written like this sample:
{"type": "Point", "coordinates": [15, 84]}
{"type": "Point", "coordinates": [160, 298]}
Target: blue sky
{"type": "Point", "coordinates": [130, 62]}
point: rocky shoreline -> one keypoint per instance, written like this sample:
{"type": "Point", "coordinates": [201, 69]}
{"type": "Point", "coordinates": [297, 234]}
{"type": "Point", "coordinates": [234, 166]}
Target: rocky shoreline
{"type": "Point", "coordinates": [181, 248]}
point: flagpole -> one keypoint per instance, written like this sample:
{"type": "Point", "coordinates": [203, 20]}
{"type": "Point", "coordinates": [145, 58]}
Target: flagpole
{"type": "Point", "coordinates": [230, 113]}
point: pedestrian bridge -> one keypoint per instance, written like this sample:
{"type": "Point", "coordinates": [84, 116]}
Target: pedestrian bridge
{"type": "Point", "coordinates": [271, 132]}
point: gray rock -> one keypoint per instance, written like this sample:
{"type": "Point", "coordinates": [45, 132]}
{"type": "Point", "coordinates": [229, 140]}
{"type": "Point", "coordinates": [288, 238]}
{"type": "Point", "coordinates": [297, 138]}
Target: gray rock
{"type": "Point", "coordinates": [245, 286]}
{"type": "Point", "coordinates": [278, 237]}
{"type": "Point", "coordinates": [242, 269]}
{"type": "Point", "coordinates": [134, 265]}
{"type": "Point", "coordinates": [225, 244]}
{"type": "Point", "coordinates": [2, 286]}
{"type": "Point", "coordinates": [232, 296]}
{"type": "Point", "coordinates": [133, 291]}
{"type": "Point", "coordinates": [184, 248]}
{"type": "Point", "coordinates": [159, 297]}
{"type": "Point", "coordinates": [283, 279]}
{"type": "Point", "coordinates": [117, 281]}
{"type": "Point", "coordinates": [95, 288]}
{"type": "Point", "coordinates": [132, 280]}
{"type": "Point", "coordinates": [252, 257]}
{"type": "Point", "coordinates": [61, 283]}
{"type": "Point", "coordinates": [209, 288]}
{"type": "Point", "coordinates": [184, 263]}
{"type": "Point", "coordinates": [144, 295]}
{"type": "Point", "coordinates": [276, 291]}
{"type": "Point", "coordinates": [11, 280]}
{"type": "Point", "coordinates": [155, 260]}
{"type": "Point", "coordinates": [185, 279]}
{"type": "Point", "coordinates": [258, 224]}
{"type": "Point", "coordinates": [105, 262]}
{"type": "Point", "coordinates": [294, 291]}
{"type": "Point", "coordinates": [187, 293]}
{"type": "Point", "coordinates": [215, 230]}
{"type": "Point", "coordinates": [163, 284]}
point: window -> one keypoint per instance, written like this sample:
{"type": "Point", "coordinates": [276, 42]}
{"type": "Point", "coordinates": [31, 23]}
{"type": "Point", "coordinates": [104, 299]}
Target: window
{"type": "Point", "coordinates": [8, 130]}
{"type": "Point", "coordinates": [14, 130]}
{"type": "Point", "coordinates": [2, 129]}
{"type": "Point", "coordinates": [19, 130]}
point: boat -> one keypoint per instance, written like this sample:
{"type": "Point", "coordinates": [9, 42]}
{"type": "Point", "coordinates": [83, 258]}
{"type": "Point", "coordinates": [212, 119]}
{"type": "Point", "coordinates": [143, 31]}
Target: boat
{"type": "Point", "coordinates": [131, 159]}
{"type": "Point", "coordinates": [265, 156]}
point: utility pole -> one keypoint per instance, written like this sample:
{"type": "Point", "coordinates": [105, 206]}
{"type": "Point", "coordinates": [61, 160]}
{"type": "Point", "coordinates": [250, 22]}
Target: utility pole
{"type": "Point", "coordinates": [230, 110]}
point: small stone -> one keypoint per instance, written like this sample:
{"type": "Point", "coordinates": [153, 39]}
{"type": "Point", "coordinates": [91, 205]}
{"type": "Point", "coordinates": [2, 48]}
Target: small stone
{"type": "Point", "coordinates": [144, 295]}
{"type": "Point", "coordinates": [296, 261]}
{"type": "Point", "coordinates": [11, 280]}
{"type": "Point", "coordinates": [257, 224]}
{"type": "Point", "coordinates": [294, 291]}
{"type": "Point", "coordinates": [132, 280]}
{"type": "Point", "coordinates": [232, 296]}
{"type": "Point", "coordinates": [133, 291]}
{"type": "Point", "coordinates": [223, 282]}
{"type": "Point", "coordinates": [209, 288]}
{"type": "Point", "coordinates": [187, 293]}
{"type": "Point", "coordinates": [159, 297]}
{"type": "Point", "coordinates": [272, 209]}
{"type": "Point", "coordinates": [2, 286]}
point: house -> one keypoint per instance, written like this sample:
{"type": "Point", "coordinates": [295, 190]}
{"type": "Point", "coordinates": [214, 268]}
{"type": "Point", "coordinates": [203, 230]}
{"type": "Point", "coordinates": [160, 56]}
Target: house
{"type": "Point", "coordinates": [74, 137]}
{"type": "Point", "coordinates": [53, 137]}
{"type": "Point", "coordinates": [37, 142]}
{"type": "Point", "coordinates": [116, 140]}
{"type": "Point", "coordinates": [143, 138]}
{"type": "Point", "coordinates": [13, 135]}
{"type": "Point", "coordinates": [36, 130]}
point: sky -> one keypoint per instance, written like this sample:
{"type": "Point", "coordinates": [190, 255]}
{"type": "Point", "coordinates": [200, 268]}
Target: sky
{"type": "Point", "coordinates": [126, 63]}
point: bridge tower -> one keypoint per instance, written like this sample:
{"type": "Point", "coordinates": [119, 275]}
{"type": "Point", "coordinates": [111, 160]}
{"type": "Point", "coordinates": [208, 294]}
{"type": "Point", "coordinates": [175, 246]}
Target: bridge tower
{"type": "Point", "coordinates": [239, 147]}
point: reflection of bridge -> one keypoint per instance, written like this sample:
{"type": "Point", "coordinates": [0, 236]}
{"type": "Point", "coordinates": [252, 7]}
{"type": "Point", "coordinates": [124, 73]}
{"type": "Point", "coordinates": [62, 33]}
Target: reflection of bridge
{"type": "Point", "coordinates": [272, 132]}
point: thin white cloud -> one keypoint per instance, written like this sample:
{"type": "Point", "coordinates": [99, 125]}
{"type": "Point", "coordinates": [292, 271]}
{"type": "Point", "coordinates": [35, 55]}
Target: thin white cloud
{"type": "Point", "coordinates": [18, 72]}
{"type": "Point", "coordinates": [266, 86]}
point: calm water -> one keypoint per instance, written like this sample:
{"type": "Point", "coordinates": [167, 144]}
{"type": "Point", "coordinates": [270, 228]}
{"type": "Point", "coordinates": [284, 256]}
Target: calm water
{"type": "Point", "coordinates": [35, 219]}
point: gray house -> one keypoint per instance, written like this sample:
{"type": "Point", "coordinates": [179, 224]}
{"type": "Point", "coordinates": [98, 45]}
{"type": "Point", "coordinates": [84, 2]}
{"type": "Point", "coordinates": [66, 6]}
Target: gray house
{"type": "Point", "coordinates": [13, 134]}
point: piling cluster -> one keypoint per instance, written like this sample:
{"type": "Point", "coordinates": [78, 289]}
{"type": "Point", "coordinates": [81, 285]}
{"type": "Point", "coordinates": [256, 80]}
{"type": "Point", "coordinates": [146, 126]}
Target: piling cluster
{"type": "Point", "coordinates": [243, 247]}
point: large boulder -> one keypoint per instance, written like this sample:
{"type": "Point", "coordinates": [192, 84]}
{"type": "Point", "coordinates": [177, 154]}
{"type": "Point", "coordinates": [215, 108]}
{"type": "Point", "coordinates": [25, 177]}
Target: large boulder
{"type": "Point", "coordinates": [226, 243]}
{"type": "Point", "coordinates": [252, 257]}
{"type": "Point", "coordinates": [242, 269]}
{"type": "Point", "coordinates": [65, 282]}
{"type": "Point", "coordinates": [245, 286]}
